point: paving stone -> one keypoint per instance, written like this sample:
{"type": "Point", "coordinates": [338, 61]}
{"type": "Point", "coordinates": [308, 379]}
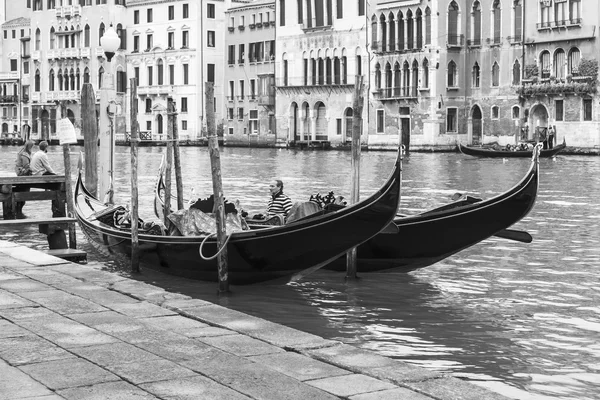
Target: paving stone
{"type": "Point", "coordinates": [63, 303]}
{"type": "Point", "coordinates": [252, 379]}
{"type": "Point", "coordinates": [67, 333]}
{"type": "Point", "coordinates": [176, 323]}
{"type": "Point", "coordinates": [298, 366]}
{"type": "Point", "coordinates": [97, 294]}
{"type": "Point", "coordinates": [114, 354]}
{"type": "Point", "coordinates": [31, 256]}
{"type": "Point", "coordinates": [8, 275]}
{"type": "Point", "coordinates": [241, 345]}
{"type": "Point", "coordinates": [350, 357]}
{"type": "Point", "coordinates": [258, 328]}
{"type": "Point", "coordinates": [22, 285]}
{"type": "Point", "coordinates": [150, 371]}
{"type": "Point", "coordinates": [109, 322]}
{"type": "Point", "coordinates": [30, 349]}
{"type": "Point", "coordinates": [350, 385]}
{"type": "Point", "coordinates": [8, 329]}
{"type": "Point", "coordinates": [193, 388]}
{"type": "Point", "coordinates": [107, 391]}
{"type": "Point", "coordinates": [453, 389]}
{"type": "Point", "coordinates": [182, 304]}
{"type": "Point", "coordinates": [401, 372]}
{"type": "Point", "coordinates": [176, 350]}
{"type": "Point", "coordinates": [9, 300]}
{"type": "Point", "coordinates": [137, 289]}
{"type": "Point", "coordinates": [70, 373]}
{"type": "Point", "coordinates": [141, 309]}
{"type": "Point", "coordinates": [15, 384]}
{"type": "Point", "coordinates": [392, 394]}
{"type": "Point", "coordinates": [47, 276]}
{"type": "Point", "coordinates": [34, 311]}
{"type": "Point", "coordinates": [48, 397]}
{"type": "Point", "coordinates": [88, 273]}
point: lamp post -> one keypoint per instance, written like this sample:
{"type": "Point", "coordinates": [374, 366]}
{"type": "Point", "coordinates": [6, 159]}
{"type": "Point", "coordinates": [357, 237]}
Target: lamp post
{"type": "Point", "coordinates": [109, 42]}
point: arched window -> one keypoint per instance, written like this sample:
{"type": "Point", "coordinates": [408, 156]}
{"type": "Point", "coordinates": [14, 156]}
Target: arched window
{"type": "Point", "coordinates": [405, 79]}
{"type": "Point", "coordinates": [516, 78]}
{"type": "Point", "coordinates": [397, 80]}
{"type": "Point", "coordinates": [400, 30]}
{"type": "Point", "coordinates": [377, 76]}
{"type": "Point", "coordinates": [453, 37]}
{"type": "Point", "coordinates": [388, 80]}
{"type": "Point", "coordinates": [476, 75]}
{"type": "Point", "coordinates": [476, 18]}
{"type": "Point", "coordinates": [59, 77]}
{"type": "Point", "coordinates": [72, 79]}
{"type": "Point", "coordinates": [78, 78]}
{"type": "Point", "coordinates": [495, 74]}
{"type": "Point", "coordinates": [497, 20]}
{"type": "Point", "coordinates": [309, 14]}
{"type": "Point", "coordinates": [122, 35]}
{"type": "Point", "coordinates": [452, 75]}
{"type": "Point", "coordinates": [86, 36]}
{"type": "Point", "coordinates": [37, 80]}
{"type": "Point", "coordinates": [374, 29]}
{"type": "Point", "coordinates": [560, 64]}
{"type": "Point", "coordinates": [427, 26]}
{"type": "Point", "coordinates": [545, 64]}
{"type": "Point", "coordinates": [66, 79]}
{"type": "Point", "coordinates": [52, 38]}
{"type": "Point", "coordinates": [100, 33]}
{"type": "Point", "coordinates": [100, 77]}
{"type": "Point", "coordinates": [495, 112]}
{"type": "Point", "coordinates": [160, 71]}
{"type": "Point", "coordinates": [415, 78]}
{"type": "Point", "coordinates": [425, 83]}
{"type": "Point", "coordinates": [574, 57]}
{"type": "Point", "coordinates": [392, 30]}
{"type": "Point", "coordinates": [86, 75]}
{"type": "Point", "coordinates": [51, 81]}
{"type": "Point", "coordinates": [37, 39]}
{"type": "Point", "coordinates": [337, 70]}
{"type": "Point", "coordinates": [518, 20]}
{"type": "Point", "coordinates": [410, 30]}
{"type": "Point", "coordinates": [148, 105]}
{"type": "Point", "coordinates": [419, 22]}
{"type": "Point", "coordinates": [383, 26]}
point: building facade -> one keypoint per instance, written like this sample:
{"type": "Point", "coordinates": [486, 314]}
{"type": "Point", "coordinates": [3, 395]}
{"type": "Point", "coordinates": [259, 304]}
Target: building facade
{"type": "Point", "coordinates": [559, 88]}
{"type": "Point", "coordinates": [321, 48]}
{"type": "Point", "coordinates": [250, 74]}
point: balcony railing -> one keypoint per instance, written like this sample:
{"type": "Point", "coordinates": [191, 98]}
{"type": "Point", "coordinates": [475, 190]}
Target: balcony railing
{"type": "Point", "coordinates": [155, 90]}
{"type": "Point", "coordinates": [36, 55]}
{"type": "Point", "coordinates": [85, 52]}
{"type": "Point", "coordinates": [575, 21]}
{"type": "Point", "coordinates": [515, 39]}
{"type": "Point", "coordinates": [9, 99]}
{"type": "Point", "coordinates": [578, 85]}
{"type": "Point", "coordinates": [474, 42]}
{"type": "Point", "coordinates": [455, 40]}
{"type": "Point", "coordinates": [544, 25]}
{"type": "Point", "coordinates": [396, 93]}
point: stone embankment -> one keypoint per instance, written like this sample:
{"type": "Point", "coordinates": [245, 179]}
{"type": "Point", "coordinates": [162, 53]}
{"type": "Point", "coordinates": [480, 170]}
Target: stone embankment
{"type": "Point", "coordinates": [70, 331]}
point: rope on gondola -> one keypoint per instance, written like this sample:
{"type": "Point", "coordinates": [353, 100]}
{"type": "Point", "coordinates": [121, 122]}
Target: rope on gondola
{"type": "Point", "coordinates": [217, 253]}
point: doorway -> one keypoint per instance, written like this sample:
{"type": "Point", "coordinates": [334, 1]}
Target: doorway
{"type": "Point", "coordinates": [45, 117]}
{"type": "Point", "coordinates": [476, 125]}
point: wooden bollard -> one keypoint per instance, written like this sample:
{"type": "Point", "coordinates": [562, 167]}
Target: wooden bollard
{"type": "Point", "coordinates": [135, 245]}
{"type": "Point", "coordinates": [357, 107]}
{"type": "Point", "coordinates": [68, 186]}
{"type": "Point", "coordinates": [172, 121]}
{"type": "Point", "coordinates": [219, 208]}
{"type": "Point", "coordinates": [89, 127]}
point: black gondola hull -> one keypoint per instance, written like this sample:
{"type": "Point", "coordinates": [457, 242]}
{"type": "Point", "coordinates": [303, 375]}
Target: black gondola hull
{"type": "Point", "coordinates": [483, 152]}
{"type": "Point", "coordinates": [253, 255]}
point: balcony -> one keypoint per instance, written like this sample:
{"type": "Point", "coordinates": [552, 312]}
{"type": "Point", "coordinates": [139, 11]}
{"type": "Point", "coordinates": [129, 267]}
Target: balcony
{"type": "Point", "coordinates": [9, 99]}
{"type": "Point", "coordinates": [395, 93]}
{"type": "Point", "coordinates": [517, 39]}
{"type": "Point", "coordinates": [161, 90]}
{"type": "Point", "coordinates": [575, 21]}
{"type": "Point", "coordinates": [36, 96]}
{"type": "Point", "coordinates": [36, 55]}
{"type": "Point", "coordinates": [9, 75]}
{"type": "Point", "coordinates": [85, 52]}
{"type": "Point", "coordinates": [543, 25]}
{"type": "Point", "coordinates": [455, 41]}
{"type": "Point", "coordinates": [581, 85]}
{"type": "Point", "coordinates": [99, 52]}
{"type": "Point", "coordinates": [474, 42]}
{"type": "Point", "coordinates": [266, 99]}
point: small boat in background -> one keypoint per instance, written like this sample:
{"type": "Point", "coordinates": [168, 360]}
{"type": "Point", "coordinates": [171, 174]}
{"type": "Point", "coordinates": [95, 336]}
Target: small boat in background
{"type": "Point", "coordinates": [487, 152]}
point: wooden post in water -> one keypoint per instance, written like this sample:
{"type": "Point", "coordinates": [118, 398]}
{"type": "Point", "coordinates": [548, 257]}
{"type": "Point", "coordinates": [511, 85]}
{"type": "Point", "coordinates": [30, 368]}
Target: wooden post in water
{"type": "Point", "coordinates": [135, 244]}
{"type": "Point", "coordinates": [172, 121]}
{"type": "Point", "coordinates": [357, 107]}
{"type": "Point", "coordinates": [167, 206]}
{"type": "Point", "coordinates": [68, 186]}
{"type": "Point", "coordinates": [219, 209]}
{"type": "Point", "coordinates": [89, 125]}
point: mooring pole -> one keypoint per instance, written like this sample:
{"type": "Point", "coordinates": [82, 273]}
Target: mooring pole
{"type": "Point", "coordinates": [172, 120]}
{"type": "Point", "coordinates": [68, 186]}
{"type": "Point", "coordinates": [89, 125]}
{"type": "Point", "coordinates": [168, 167]}
{"type": "Point", "coordinates": [135, 244]}
{"type": "Point", "coordinates": [357, 107]}
{"type": "Point", "coordinates": [219, 208]}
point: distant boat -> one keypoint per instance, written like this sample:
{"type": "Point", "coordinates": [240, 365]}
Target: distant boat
{"type": "Point", "coordinates": [260, 254]}
{"type": "Point", "coordinates": [484, 152]}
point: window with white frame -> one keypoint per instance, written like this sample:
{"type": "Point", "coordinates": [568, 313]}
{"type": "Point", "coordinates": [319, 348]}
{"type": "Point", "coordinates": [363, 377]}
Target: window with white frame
{"type": "Point", "coordinates": [230, 113]}
{"type": "Point", "coordinates": [380, 121]}
{"type": "Point", "coordinates": [495, 112]}
{"type": "Point", "coordinates": [240, 113]}
{"type": "Point", "coordinates": [184, 125]}
{"type": "Point", "coordinates": [230, 129]}
{"type": "Point", "coordinates": [516, 112]}
{"type": "Point", "coordinates": [253, 122]}
{"type": "Point", "coordinates": [452, 75]}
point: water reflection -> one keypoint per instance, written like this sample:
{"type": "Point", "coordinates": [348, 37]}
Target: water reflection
{"type": "Point", "coordinates": [523, 320]}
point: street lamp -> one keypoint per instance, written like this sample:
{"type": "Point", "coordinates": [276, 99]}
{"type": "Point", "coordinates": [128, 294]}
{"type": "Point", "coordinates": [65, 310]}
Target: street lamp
{"type": "Point", "coordinates": [109, 42]}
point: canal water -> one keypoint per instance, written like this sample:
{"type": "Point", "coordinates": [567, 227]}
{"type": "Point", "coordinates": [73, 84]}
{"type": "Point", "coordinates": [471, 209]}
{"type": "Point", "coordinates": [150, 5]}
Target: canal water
{"type": "Point", "coordinates": [520, 319]}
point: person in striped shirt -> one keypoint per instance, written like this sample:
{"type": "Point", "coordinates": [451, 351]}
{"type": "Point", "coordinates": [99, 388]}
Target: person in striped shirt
{"type": "Point", "coordinates": [279, 202]}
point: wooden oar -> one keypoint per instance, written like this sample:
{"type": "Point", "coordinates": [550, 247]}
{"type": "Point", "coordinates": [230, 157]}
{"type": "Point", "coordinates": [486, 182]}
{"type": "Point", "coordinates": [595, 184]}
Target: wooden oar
{"type": "Point", "coordinates": [519, 236]}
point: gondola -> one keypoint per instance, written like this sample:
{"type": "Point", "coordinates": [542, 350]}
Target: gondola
{"type": "Point", "coordinates": [483, 152]}
{"type": "Point", "coordinates": [424, 239]}
{"type": "Point", "coordinates": [253, 255]}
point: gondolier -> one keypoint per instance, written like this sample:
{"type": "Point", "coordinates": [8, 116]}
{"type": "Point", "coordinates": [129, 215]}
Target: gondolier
{"type": "Point", "coordinates": [279, 204]}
